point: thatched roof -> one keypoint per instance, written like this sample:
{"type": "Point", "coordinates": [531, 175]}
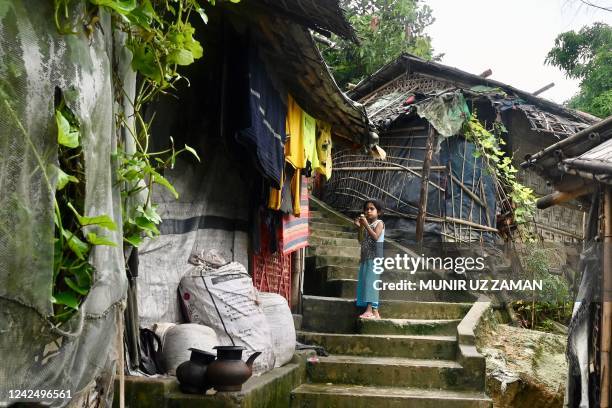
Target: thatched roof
{"type": "Point", "coordinates": [587, 154]}
{"type": "Point", "coordinates": [320, 15]}
{"type": "Point", "coordinates": [383, 92]}
{"type": "Point", "coordinates": [282, 29]}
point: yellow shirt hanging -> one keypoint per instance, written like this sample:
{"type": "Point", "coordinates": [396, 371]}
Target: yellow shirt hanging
{"type": "Point", "coordinates": [324, 149]}
{"type": "Point", "coordinates": [294, 147]}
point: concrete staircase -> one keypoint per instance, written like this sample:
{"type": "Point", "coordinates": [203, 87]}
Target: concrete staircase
{"type": "Point", "coordinates": [410, 358]}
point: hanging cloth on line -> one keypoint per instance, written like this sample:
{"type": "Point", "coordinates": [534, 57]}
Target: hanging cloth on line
{"type": "Point", "coordinates": [324, 149]}
{"type": "Point", "coordinates": [294, 146]}
{"type": "Point", "coordinates": [267, 114]}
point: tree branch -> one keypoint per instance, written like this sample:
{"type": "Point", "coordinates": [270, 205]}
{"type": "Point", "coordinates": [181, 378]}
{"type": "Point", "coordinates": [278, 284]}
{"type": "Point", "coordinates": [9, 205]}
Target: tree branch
{"type": "Point", "coordinates": [588, 3]}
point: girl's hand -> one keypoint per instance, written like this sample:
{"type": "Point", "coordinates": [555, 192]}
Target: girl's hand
{"type": "Point", "coordinates": [363, 221]}
{"type": "Point", "coordinates": [356, 222]}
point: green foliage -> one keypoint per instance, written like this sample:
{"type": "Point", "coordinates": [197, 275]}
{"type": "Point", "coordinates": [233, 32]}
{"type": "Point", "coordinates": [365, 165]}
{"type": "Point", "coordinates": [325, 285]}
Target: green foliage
{"type": "Point", "coordinates": [161, 39]}
{"type": "Point", "coordinates": [499, 165]}
{"type": "Point", "coordinates": [553, 303]}
{"type": "Point", "coordinates": [386, 29]}
{"type": "Point", "coordinates": [72, 272]}
{"type": "Point", "coordinates": [587, 55]}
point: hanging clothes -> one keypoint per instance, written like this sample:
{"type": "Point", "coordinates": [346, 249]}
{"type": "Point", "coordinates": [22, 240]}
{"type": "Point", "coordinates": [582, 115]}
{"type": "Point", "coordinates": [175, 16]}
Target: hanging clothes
{"type": "Point", "coordinates": [267, 113]}
{"type": "Point", "coordinates": [309, 125]}
{"type": "Point", "coordinates": [324, 149]}
{"type": "Point", "coordinates": [294, 146]}
{"type": "Point", "coordinates": [295, 229]}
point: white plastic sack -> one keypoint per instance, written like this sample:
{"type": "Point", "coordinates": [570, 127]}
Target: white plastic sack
{"type": "Point", "coordinates": [282, 329]}
{"type": "Point", "coordinates": [225, 300]}
{"type": "Point", "coordinates": [179, 338]}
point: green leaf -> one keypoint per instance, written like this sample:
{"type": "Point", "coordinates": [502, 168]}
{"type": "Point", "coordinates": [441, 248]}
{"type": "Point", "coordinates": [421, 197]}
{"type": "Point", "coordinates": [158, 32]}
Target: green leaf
{"type": "Point", "coordinates": [66, 135]}
{"type": "Point", "coordinates": [94, 239]}
{"type": "Point", "coordinates": [181, 57]}
{"type": "Point", "coordinates": [63, 178]}
{"type": "Point", "coordinates": [192, 151]}
{"type": "Point", "coordinates": [134, 240]}
{"type": "Point", "coordinates": [122, 7]}
{"type": "Point", "coordinates": [202, 14]}
{"type": "Point", "coordinates": [66, 299]}
{"type": "Point", "coordinates": [147, 226]}
{"type": "Point", "coordinates": [78, 247]}
{"type": "Point", "coordinates": [161, 180]}
{"type": "Point", "coordinates": [103, 220]}
{"type": "Point", "coordinates": [72, 285]}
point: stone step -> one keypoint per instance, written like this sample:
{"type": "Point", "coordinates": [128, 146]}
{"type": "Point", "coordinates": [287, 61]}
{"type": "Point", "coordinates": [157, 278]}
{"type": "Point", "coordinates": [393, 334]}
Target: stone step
{"type": "Point", "coordinates": [337, 315]}
{"type": "Point", "coordinates": [391, 371]}
{"type": "Point", "coordinates": [331, 220]}
{"type": "Point", "coordinates": [446, 327]}
{"type": "Point", "coordinates": [332, 272]}
{"type": "Point", "coordinates": [326, 233]}
{"type": "Point", "coordinates": [423, 347]}
{"type": "Point", "coordinates": [336, 260]}
{"type": "Point", "coordinates": [317, 241]}
{"type": "Point", "coordinates": [326, 226]}
{"type": "Point", "coordinates": [337, 250]}
{"type": "Point", "coordinates": [355, 396]}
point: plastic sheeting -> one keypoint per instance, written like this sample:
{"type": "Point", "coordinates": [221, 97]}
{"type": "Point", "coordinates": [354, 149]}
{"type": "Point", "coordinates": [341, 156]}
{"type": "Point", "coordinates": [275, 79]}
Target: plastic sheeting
{"type": "Point", "coordinates": [212, 212]}
{"type": "Point", "coordinates": [446, 112]}
{"type": "Point", "coordinates": [36, 60]}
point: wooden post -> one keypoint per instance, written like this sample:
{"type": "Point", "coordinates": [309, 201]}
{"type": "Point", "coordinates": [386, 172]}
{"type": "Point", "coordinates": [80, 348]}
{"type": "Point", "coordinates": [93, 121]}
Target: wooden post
{"type": "Point", "coordinates": [296, 272]}
{"type": "Point", "coordinates": [420, 223]}
{"type": "Point", "coordinates": [606, 320]}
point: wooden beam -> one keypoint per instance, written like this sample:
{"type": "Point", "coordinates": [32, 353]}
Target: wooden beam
{"type": "Point", "coordinates": [559, 197]}
{"type": "Point", "coordinates": [420, 223]}
{"type": "Point", "coordinates": [606, 314]}
{"type": "Point", "coordinates": [468, 191]}
{"type": "Point", "coordinates": [384, 168]}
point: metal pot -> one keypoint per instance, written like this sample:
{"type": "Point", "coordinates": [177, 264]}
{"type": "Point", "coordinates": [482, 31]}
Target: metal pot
{"type": "Point", "coordinates": [228, 372]}
{"type": "Point", "coordinates": [192, 373]}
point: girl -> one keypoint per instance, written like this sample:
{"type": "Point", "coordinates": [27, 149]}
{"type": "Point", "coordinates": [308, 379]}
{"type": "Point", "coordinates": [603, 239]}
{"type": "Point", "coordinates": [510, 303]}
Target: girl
{"type": "Point", "coordinates": [371, 236]}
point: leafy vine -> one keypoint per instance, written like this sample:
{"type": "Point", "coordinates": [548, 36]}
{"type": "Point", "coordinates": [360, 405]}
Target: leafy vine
{"type": "Point", "coordinates": [161, 39]}
{"type": "Point", "coordinates": [500, 165]}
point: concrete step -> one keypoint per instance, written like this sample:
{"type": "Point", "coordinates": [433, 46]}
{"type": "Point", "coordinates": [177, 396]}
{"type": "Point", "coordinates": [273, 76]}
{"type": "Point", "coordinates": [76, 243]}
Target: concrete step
{"type": "Point", "coordinates": [333, 241]}
{"type": "Point", "coordinates": [331, 226]}
{"type": "Point", "coordinates": [336, 315]}
{"type": "Point", "coordinates": [332, 272]}
{"type": "Point", "coordinates": [327, 233]}
{"type": "Point", "coordinates": [423, 347]}
{"type": "Point", "coordinates": [324, 219]}
{"type": "Point", "coordinates": [355, 396]}
{"type": "Point", "coordinates": [337, 250]}
{"type": "Point", "coordinates": [444, 327]}
{"type": "Point", "coordinates": [336, 260]}
{"type": "Point", "coordinates": [390, 371]}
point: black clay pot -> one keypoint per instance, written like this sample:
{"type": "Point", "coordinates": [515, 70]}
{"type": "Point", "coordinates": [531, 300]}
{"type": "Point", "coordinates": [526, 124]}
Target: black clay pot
{"type": "Point", "coordinates": [192, 373]}
{"type": "Point", "coordinates": [228, 372]}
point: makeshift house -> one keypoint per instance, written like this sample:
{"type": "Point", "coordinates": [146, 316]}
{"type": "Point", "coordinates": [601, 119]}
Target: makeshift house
{"type": "Point", "coordinates": [261, 110]}
{"type": "Point", "coordinates": [580, 167]}
{"type": "Point", "coordinates": [410, 97]}
{"type": "Point", "coordinates": [259, 58]}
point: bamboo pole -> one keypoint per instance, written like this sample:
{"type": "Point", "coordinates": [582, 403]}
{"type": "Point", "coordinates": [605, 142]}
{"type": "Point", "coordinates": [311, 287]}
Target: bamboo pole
{"type": "Point", "coordinates": [396, 168]}
{"type": "Point", "coordinates": [606, 321]}
{"type": "Point", "coordinates": [420, 224]}
{"type": "Point", "coordinates": [468, 191]}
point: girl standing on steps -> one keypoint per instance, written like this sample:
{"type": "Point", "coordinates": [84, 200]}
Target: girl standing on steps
{"type": "Point", "coordinates": [371, 236]}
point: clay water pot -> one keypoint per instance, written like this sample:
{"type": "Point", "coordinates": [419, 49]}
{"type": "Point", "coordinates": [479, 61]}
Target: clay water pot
{"type": "Point", "coordinates": [228, 372]}
{"type": "Point", "coordinates": [192, 373]}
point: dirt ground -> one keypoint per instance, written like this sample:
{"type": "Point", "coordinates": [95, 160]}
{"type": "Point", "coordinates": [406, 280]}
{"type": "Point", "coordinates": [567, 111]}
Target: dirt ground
{"type": "Point", "coordinates": [525, 368]}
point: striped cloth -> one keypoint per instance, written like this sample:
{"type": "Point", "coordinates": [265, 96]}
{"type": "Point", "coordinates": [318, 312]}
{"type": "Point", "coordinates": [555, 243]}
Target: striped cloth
{"type": "Point", "coordinates": [295, 229]}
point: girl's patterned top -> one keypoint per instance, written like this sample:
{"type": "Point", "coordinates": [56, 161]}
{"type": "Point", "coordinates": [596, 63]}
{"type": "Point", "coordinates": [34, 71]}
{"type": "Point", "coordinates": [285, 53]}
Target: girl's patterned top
{"type": "Point", "coordinates": [370, 248]}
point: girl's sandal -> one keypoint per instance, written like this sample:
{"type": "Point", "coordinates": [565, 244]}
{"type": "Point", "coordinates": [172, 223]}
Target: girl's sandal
{"type": "Point", "coordinates": [366, 315]}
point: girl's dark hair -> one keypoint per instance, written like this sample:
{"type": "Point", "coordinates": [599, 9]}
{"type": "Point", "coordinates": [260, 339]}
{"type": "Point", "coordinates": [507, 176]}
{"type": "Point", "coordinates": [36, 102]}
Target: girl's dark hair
{"type": "Point", "coordinates": [377, 204]}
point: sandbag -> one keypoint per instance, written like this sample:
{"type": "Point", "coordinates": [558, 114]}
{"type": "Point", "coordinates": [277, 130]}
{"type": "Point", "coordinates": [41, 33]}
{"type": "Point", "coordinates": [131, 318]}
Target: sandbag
{"type": "Point", "coordinates": [280, 320]}
{"type": "Point", "coordinates": [225, 300]}
{"type": "Point", "coordinates": [179, 338]}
